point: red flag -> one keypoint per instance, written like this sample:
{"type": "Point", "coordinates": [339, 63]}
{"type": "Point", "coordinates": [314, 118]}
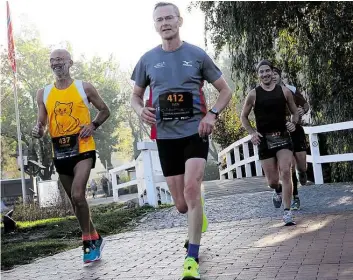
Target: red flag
{"type": "Point", "coordinates": [11, 44]}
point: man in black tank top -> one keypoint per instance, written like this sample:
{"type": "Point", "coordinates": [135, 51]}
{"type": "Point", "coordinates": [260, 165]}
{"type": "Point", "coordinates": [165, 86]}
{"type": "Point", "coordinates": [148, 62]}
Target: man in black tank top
{"type": "Point", "coordinates": [272, 134]}
{"type": "Point", "coordinates": [298, 139]}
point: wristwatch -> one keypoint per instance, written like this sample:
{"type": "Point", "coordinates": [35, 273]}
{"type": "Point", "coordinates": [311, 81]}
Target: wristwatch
{"type": "Point", "coordinates": [95, 124]}
{"type": "Point", "coordinates": [215, 112]}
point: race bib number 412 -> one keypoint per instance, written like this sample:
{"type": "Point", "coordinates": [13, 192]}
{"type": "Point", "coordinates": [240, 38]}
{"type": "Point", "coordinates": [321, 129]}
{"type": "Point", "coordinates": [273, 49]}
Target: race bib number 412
{"type": "Point", "coordinates": [66, 146]}
{"type": "Point", "coordinates": [176, 106]}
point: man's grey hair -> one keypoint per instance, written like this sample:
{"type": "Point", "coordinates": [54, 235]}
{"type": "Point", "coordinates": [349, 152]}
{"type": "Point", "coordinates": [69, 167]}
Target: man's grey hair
{"type": "Point", "coordinates": [162, 4]}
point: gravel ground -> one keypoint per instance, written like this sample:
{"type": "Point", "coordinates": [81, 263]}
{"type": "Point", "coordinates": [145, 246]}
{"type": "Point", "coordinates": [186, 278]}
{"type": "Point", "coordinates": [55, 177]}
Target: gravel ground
{"type": "Point", "coordinates": [250, 203]}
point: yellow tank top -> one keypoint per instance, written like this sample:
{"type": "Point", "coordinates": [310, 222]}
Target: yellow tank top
{"type": "Point", "coordinates": [67, 110]}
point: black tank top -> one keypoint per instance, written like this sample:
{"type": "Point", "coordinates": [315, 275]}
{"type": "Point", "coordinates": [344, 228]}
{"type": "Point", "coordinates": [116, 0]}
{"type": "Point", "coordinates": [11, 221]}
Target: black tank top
{"type": "Point", "coordinates": [270, 110]}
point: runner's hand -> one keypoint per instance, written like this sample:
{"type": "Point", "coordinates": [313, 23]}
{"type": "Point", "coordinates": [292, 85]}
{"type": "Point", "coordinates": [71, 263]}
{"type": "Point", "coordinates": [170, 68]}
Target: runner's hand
{"type": "Point", "coordinates": [290, 126]}
{"type": "Point", "coordinates": [38, 130]}
{"type": "Point", "coordinates": [301, 112]}
{"type": "Point", "coordinates": [86, 130]}
{"type": "Point", "coordinates": [148, 115]}
{"type": "Point", "coordinates": [207, 124]}
{"type": "Point", "coordinates": [255, 138]}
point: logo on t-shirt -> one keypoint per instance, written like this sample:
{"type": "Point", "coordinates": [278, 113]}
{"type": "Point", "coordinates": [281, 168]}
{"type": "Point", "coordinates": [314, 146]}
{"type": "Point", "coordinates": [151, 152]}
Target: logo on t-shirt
{"type": "Point", "coordinates": [160, 65]}
{"type": "Point", "coordinates": [187, 63]}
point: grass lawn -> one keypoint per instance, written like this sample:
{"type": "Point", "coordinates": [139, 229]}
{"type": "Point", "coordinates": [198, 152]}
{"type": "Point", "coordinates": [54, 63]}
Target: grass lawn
{"type": "Point", "coordinates": [43, 238]}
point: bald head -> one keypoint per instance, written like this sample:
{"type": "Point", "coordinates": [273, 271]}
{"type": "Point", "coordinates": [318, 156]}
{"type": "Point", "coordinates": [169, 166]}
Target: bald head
{"type": "Point", "coordinates": [62, 53]}
{"type": "Point", "coordinates": [60, 63]}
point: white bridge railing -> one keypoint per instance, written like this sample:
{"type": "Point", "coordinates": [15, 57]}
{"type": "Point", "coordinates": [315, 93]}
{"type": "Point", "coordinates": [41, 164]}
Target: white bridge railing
{"type": "Point", "coordinates": [153, 190]}
{"type": "Point", "coordinates": [234, 150]}
{"type": "Point", "coordinates": [152, 187]}
{"type": "Point", "coordinates": [244, 161]}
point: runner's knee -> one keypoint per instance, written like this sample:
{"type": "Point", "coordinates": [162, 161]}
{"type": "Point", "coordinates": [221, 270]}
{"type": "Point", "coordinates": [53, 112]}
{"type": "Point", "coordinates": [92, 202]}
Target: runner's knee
{"type": "Point", "coordinates": [78, 198]}
{"type": "Point", "coordinates": [182, 207]}
{"type": "Point", "coordinates": [286, 173]}
{"type": "Point", "coordinates": [273, 180]}
{"type": "Point", "coordinates": [301, 167]}
{"type": "Point", "coordinates": [192, 190]}
{"type": "Point", "coordinates": [274, 185]}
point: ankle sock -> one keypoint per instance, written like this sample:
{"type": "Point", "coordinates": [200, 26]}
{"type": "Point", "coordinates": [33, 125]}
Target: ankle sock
{"type": "Point", "coordinates": [94, 235]}
{"type": "Point", "coordinates": [86, 237]}
{"type": "Point", "coordinates": [193, 251]}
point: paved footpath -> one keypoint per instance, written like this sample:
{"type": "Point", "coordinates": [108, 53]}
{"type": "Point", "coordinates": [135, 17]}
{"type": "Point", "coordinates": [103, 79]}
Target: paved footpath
{"type": "Point", "coordinates": [245, 241]}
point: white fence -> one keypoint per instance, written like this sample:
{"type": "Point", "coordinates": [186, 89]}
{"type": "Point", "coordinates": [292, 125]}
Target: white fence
{"type": "Point", "coordinates": [152, 188]}
{"type": "Point", "coordinates": [315, 158]}
{"type": "Point", "coordinates": [247, 159]}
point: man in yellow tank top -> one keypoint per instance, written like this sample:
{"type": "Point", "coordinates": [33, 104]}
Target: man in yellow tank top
{"type": "Point", "coordinates": [63, 109]}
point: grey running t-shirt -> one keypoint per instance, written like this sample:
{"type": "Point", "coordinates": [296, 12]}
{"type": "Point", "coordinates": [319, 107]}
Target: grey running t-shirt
{"type": "Point", "coordinates": [176, 79]}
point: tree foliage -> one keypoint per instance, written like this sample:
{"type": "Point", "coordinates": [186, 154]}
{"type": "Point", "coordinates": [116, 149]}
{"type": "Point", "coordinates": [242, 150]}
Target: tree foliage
{"type": "Point", "coordinates": [33, 74]}
{"type": "Point", "coordinates": [311, 41]}
{"type": "Point", "coordinates": [9, 168]}
{"type": "Point", "coordinates": [131, 128]}
{"type": "Point", "coordinates": [228, 127]}
{"type": "Point", "coordinates": [103, 75]}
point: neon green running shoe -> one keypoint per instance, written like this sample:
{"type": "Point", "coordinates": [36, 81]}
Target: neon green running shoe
{"type": "Point", "coordinates": [191, 269]}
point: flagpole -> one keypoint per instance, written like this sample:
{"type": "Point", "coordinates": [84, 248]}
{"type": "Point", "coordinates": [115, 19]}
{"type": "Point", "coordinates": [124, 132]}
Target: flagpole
{"type": "Point", "coordinates": [12, 60]}
{"type": "Point", "coordinates": [19, 140]}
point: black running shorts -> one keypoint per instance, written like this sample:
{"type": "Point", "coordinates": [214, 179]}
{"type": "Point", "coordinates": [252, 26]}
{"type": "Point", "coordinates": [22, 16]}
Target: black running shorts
{"type": "Point", "coordinates": [173, 153]}
{"type": "Point", "coordinates": [299, 139]}
{"type": "Point", "coordinates": [66, 166]}
{"type": "Point", "coordinates": [271, 143]}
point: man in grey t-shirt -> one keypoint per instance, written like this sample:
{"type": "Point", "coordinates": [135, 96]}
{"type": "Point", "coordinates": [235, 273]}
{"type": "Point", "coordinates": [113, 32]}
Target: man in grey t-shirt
{"type": "Point", "coordinates": [175, 72]}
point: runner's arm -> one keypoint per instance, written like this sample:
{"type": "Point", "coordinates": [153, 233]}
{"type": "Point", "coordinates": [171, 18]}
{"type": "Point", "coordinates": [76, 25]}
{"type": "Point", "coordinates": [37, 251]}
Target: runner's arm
{"type": "Point", "coordinates": [98, 103]}
{"type": "Point", "coordinates": [42, 111]}
{"type": "Point", "coordinates": [291, 105]}
{"type": "Point", "coordinates": [40, 128]}
{"type": "Point", "coordinates": [302, 101]}
{"type": "Point", "coordinates": [137, 99]}
{"type": "Point", "coordinates": [225, 94]}
{"type": "Point", "coordinates": [248, 105]}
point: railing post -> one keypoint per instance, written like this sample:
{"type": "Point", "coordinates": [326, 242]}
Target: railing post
{"type": "Point", "coordinates": [140, 179]}
{"type": "Point", "coordinates": [229, 163]}
{"type": "Point", "coordinates": [159, 194]}
{"type": "Point", "coordinates": [115, 191]}
{"type": "Point", "coordinates": [315, 153]}
{"type": "Point", "coordinates": [162, 196]}
{"type": "Point", "coordinates": [247, 155]}
{"type": "Point", "coordinates": [237, 159]}
{"type": "Point", "coordinates": [223, 176]}
{"type": "Point", "coordinates": [148, 177]}
{"type": "Point", "coordinates": [169, 197]}
{"type": "Point", "coordinates": [257, 161]}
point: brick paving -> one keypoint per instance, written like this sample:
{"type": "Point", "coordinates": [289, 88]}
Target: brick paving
{"type": "Point", "coordinates": [319, 247]}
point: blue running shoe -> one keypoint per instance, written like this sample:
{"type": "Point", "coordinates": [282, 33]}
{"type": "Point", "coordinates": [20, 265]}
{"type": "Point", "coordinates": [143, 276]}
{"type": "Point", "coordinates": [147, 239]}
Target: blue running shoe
{"type": "Point", "coordinates": [99, 244]}
{"type": "Point", "coordinates": [89, 252]}
{"type": "Point", "coordinates": [277, 199]}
